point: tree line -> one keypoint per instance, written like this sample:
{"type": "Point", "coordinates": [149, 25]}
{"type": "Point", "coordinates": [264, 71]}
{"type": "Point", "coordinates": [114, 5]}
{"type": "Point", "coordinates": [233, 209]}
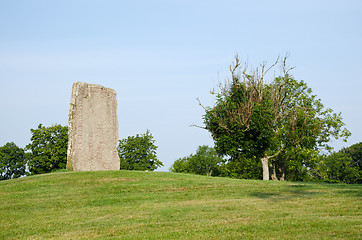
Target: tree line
{"type": "Point", "coordinates": [47, 152]}
{"type": "Point", "coordinates": [343, 166]}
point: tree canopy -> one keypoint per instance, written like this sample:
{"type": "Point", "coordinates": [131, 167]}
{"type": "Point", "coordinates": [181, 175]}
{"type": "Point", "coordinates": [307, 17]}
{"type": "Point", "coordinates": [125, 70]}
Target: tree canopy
{"type": "Point", "coordinates": [342, 166]}
{"type": "Point", "coordinates": [205, 162]}
{"type": "Point", "coordinates": [276, 123]}
{"type": "Point", "coordinates": [48, 148]}
{"type": "Point", "coordinates": [138, 153]}
{"type": "Point", "coordinates": [12, 161]}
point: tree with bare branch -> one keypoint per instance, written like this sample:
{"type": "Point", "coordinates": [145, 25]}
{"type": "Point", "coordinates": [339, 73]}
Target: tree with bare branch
{"type": "Point", "coordinates": [278, 123]}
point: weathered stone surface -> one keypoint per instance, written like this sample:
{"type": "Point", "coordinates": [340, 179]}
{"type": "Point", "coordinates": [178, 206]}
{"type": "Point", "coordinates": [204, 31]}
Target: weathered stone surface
{"type": "Point", "coordinates": [93, 128]}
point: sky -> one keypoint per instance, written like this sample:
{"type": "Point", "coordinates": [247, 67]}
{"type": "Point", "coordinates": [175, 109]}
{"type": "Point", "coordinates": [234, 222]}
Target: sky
{"type": "Point", "coordinates": [161, 55]}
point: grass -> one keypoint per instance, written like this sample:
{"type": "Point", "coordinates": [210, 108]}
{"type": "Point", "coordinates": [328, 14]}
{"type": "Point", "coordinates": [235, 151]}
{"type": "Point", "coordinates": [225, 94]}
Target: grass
{"type": "Point", "coordinates": [156, 205]}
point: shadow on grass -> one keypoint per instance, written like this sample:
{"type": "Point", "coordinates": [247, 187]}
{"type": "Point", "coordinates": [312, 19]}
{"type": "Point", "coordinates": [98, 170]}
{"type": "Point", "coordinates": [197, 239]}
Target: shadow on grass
{"type": "Point", "coordinates": [265, 195]}
{"type": "Point", "coordinates": [300, 190]}
{"type": "Point", "coordinates": [290, 192]}
{"type": "Point", "coordinates": [351, 190]}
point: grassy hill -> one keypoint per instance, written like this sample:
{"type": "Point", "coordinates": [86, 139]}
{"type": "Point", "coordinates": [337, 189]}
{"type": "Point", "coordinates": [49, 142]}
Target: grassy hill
{"type": "Point", "coordinates": [156, 205]}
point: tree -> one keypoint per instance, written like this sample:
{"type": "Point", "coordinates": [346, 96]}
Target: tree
{"type": "Point", "coordinates": [270, 122]}
{"type": "Point", "coordinates": [205, 162]}
{"type": "Point", "coordinates": [343, 166]}
{"type": "Point", "coordinates": [48, 149]}
{"type": "Point", "coordinates": [245, 168]}
{"type": "Point", "coordinates": [12, 161]}
{"type": "Point", "coordinates": [295, 164]}
{"type": "Point", "coordinates": [138, 152]}
{"type": "Point", "coordinates": [181, 165]}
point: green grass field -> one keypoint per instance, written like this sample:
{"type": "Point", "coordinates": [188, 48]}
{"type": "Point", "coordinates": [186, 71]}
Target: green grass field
{"type": "Point", "coordinates": [156, 205]}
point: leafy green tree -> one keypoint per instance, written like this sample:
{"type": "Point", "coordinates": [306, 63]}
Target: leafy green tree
{"type": "Point", "coordinates": [138, 153]}
{"type": "Point", "coordinates": [295, 164]}
{"type": "Point", "coordinates": [48, 149]}
{"type": "Point", "coordinates": [12, 161]}
{"type": "Point", "coordinates": [268, 122]}
{"type": "Point", "coordinates": [245, 168]}
{"type": "Point", "coordinates": [181, 165]}
{"type": "Point", "coordinates": [355, 152]}
{"type": "Point", "coordinates": [205, 162]}
{"type": "Point", "coordinates": [343, 166]}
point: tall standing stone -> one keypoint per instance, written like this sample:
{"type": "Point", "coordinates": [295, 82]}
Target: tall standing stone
{"type": "Point", "coordinates": [93, 128]}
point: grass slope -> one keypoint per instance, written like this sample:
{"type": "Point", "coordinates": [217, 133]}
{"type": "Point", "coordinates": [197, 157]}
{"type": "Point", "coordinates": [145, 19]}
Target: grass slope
{"type": "Point", "coordinates": [156, 205]}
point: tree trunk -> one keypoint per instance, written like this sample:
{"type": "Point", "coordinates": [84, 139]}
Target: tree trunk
{"type": "Point", "coordinates": [264, 163]}
{"type": "Point", "coordinates": [274, 173]}
{"type": "Point", "coordinates": [282, 176]}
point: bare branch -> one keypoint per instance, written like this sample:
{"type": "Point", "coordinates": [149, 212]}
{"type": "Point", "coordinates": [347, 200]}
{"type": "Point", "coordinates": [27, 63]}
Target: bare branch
{"type": "Point", "coordinates": [236, 65]}
{"type": "Point", "coordinates": [198, 99]}
{"type": "Point", "coordinates": [273, 65]}
{"type": "Point", "coordinates": [193, 125]}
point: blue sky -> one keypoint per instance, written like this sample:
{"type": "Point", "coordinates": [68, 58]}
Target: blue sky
{"type": "Point", "coordinates": [161, 55]}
